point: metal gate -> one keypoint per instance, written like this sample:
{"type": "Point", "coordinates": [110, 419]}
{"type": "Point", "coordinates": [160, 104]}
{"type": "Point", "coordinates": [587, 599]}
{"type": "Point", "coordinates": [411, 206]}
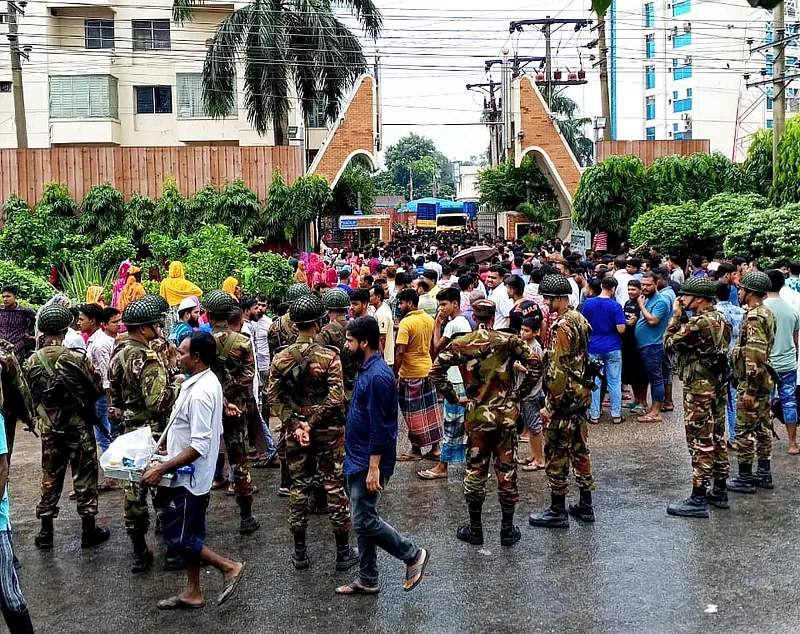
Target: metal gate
{"type": "Point", "coordinates": [487, 221]}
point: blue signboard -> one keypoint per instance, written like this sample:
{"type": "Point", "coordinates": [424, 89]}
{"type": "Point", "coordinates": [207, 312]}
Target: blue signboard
{"type": "Point", "coordinates": [358, 212]}
{"type": "Point", "coordinates": [348, 224]}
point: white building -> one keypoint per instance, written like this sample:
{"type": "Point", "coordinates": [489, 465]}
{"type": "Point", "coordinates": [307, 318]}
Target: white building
{"type": "Point", "coordinates": [467, 182]}
{"type": "Point", "coordinates": [107, 72]}
{"type": "Point", "coordinates": [676, 71]}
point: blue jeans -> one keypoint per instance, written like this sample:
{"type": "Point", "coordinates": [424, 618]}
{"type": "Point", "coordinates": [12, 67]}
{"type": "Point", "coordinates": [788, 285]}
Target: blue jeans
{"type": "Point", "coordinates": [372, 531]}
{"type": "Point", "coordinates": [271, 448]}
{"type": "Point", "coordinates": [784, 392]}
{"type": "Point", "coordinates": [101, 409]}
{"type": "Point", "coordinates": [653, 359]}
{"type": "Point", "coordinates": [730, 408]}
{"type": "Point", "coordinates": [612, 368]}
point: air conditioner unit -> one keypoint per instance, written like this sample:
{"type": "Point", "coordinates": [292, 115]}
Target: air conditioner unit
{"type": "Point", "coordinates": [687, 126]}
{"type": "Point", "coordinates": [669, 6]}
{"type": "Point", "coordinates": [687, 27]}
{"type": "Point", "coordinates": [669, 38]}
{"type": "Point", "coordinates": [674, 30]}
{"type": "Point", "coordinates": [687, 61]}
{"type": "Point", "coordinates": [685, 116]}
{"type": "Point", "coordinates": [669, 133]}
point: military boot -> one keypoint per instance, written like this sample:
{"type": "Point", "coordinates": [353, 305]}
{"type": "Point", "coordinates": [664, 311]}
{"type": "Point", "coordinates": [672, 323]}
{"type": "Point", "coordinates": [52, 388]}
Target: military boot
{"type": "Point", "coordinates": [300, 557]}
{"type": "Point", "coordinates": [583, 510]}
{"type": "Point", "coordinates": [346, 557]}
{"type": "Point", "coordinates": [553, 517]}
{"type": "Point", "coordinates": [763, 476]}
{"type": "Point", "coordinates": [44, 540]}
{"type": "Point", "coordinates": [318, 501]}
{"type": "Point", "coordinates": [142, 558]}
{"type": "Point", "coordinates": [509, 534]}
{"type": "Point", "coordinates": [472, 533]}
{"type": "Point", "coordinates": [173, 562]}
{"type": "Point", "coordinates": [249, 525]}
{"type": "Point", "coordinates": [744, 482]}
{"type": "Point", "coordinates": [695, 505]}
{"type": "Point", "coordinates": [91, 534]}
{"type": "Point", "coordinates": [718, 495]}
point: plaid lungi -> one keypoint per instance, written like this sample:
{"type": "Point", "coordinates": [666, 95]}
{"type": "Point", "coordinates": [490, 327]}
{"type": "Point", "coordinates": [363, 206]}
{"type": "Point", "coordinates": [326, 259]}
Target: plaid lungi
{"type": "Point", "coordinates": [418, 403]}
{"type": "Point", "coordinates": [455, 438]}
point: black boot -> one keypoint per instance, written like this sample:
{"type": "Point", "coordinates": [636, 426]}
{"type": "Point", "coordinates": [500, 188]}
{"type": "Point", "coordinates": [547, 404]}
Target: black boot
{"type": "Point", "coordinates": [92, 535]}
{"type": "Point", "coordinates": [248, 523]}
{"type": "Point", "coordinates": [346, 557]}
{"type": "Point", "coordinates": [44, 540]}
{"type": "Point", "coordinates": [173, 562]}
{"type": "Point", "coordinates": [583, 510]}
{"type": "Point", "coordinates": [318, 502]}
{"type": "Point", "coordinates": [300, 557]}
{"type": "Point", "coordinates": [142, 558]}
{"type": "Point", "coordinates": [693, 506]}
{"type": "Point", "coordinates": [744, 482]}
{"type": "Point", "coordinates": [553, 517]}
{"type": "Point", "coordinates": [718, 496]}
{"type": "Point", "coordinates": [763, 476]}
{"type": "Point", "coordinates": [509, 534]}
{"type": "Point", "coordinates": [472, 533]}
{"type": "Point", "coordinates": [18, 622]}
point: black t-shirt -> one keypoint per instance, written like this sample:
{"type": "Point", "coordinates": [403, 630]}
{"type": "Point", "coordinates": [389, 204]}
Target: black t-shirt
{"type": "Point", "coordinates": [520, 313]}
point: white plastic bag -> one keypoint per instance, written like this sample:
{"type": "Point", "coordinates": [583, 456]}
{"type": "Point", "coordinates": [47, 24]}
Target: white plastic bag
{"type": "Point", "coordinates": [131, 451]}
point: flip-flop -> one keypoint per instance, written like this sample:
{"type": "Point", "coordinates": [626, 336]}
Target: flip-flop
{"type": "Point", "coordinates": [354, 588]}
{"type": "Point", "coordinates": [617, 420]}
{"type": "Point", "coordinates": [532, 467]}
{"type": "Point", "coordinates": [230, 586]}
{"type": "Point", "coordinates": [176, 603]}
{"type": "Point", "coordinates": [408, 457]}
{"type": "Point", "coordinates": [418, 568]}
{"type": "Point", "coordinates": [648, 419]}
{"type": "Point", "coordinates": [428, 474]}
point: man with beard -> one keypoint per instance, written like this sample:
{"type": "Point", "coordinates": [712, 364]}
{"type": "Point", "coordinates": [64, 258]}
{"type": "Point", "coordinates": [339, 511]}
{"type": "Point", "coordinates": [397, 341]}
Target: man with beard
{"type": "Point", "coordinates": [188, 321]}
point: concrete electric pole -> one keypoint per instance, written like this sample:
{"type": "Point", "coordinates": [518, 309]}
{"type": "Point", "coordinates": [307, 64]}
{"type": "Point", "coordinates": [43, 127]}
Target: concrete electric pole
{"type": "Point", "coordinates": [20, 123]}
{"type": "Point", "coordinates": [779, 84]}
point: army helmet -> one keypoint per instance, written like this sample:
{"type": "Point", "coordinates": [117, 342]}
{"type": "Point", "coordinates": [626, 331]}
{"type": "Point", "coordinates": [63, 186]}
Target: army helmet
{"type": "Point", "coordinates": [219, 303]}
{"type": "Point", "coordinates": [756, 281]}
{"type": "Point", "coordinates": [336, 299]}
{"type": "Point", "coordinates": [54, 319]}
{"type": "Point", "coordinates": [555, 285]}
{"type": "Point", "coordinates": [699, 287]}
{"type": "Point", "coordinates": [306, 309]}
{"type": "Point", "coordinates": [297, 290]}
{"type": "Point", "coordinates": [163, 305]}
{"type": "Point", "coordinates": [142, 312]}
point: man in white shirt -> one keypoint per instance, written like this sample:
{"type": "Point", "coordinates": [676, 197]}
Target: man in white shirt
{"type": "Point", "coordinates": [383, 314]}
{"type": "Point", "coordinates": [623, 277]}
{"type": "Point", "coordinates": [98, 351]}
{"type": "Point", "coordinates": [499, 295]}
{"type": "Point", "coordinates": [193, 437]}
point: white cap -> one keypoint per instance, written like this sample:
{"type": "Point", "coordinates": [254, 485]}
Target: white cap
{"type": "Point", "coordinates": [187, 304]}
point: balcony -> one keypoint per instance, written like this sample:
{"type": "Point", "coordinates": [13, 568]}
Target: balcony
{"type": "Point", "coordinates": [82, 131]}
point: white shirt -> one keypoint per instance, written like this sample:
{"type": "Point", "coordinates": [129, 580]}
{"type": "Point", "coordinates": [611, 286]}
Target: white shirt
{"type": "Point", "coordinates": [247, 329]}
{"type": "Point", "coordinates": [196, 422]}
{"type": "Point", "coordinates": [452, 328]}
{"type": "Point", "coordinates": [74, 340]}
{"type": "Point", "coordinates": [386, 327]}
{"type": "Point", "coordinates": [622, 277]}
{"type": "Point", "coordinates": [503, 305]}
{"type": "Point", "coordinates": [575, 296]}
{"type": "Point", "coordinates": [99, 353]}
{"type": "Point", "coordinates": [260, 332]}
{"type": "Point", "coordinates": [434, 266]}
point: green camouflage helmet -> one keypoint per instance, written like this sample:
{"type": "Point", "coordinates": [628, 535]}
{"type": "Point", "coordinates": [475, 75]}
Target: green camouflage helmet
{"type": "Point", "coordinates": [219, 303]}
{"type": "Point", "coordinates": [699, 287]}
{"type": "Point", "coordinates": [160, 302]}
{"type": "Point", "coordinates": [756, 281]}
{"type": "Point", "coordinates": [336, 299]}
{"type": "Point", "coordinates": [142, 312]}
{"type": "Point", "coordinates": [54, 319]}
{"type": "Point", "coordinates": [297, 290]}
{"type": "Point", "coordinates": [555, 285]}
{"type": "Point", "coordinates": [306, 309]}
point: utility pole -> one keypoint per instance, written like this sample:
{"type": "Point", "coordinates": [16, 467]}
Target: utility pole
{"type": "Point", "coordinates": [548, 55]}
{"type": "Point", "coordinates": [605, 95]}
{"type": "Point", "coordinates": [491, 114]}
{"type": "Point", "coordinates": [378, 113]}
{"type": "Point", "coordinates": [505, 104]}
{"type": "Point", "coordinates": [20, 123]}
{"type": "Point", "coordinates": [778, 84]}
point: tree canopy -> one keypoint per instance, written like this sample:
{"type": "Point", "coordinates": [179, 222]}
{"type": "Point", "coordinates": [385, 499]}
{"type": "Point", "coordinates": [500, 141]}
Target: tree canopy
{"type": "Point", "coordinates": [416, 156]}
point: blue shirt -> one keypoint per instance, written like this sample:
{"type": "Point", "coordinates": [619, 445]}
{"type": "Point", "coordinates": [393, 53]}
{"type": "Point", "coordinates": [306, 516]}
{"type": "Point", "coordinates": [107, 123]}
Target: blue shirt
{"type": "Point", "coordinates": [604, 314]}
{"type": "Point", "coordinates": [733, 298]}
{"type": "Point", "coordinates": [670, 295]}
{"type": "Point", "coordinates": [345, 287]}
{"type": "Point", "coordinates": [5, 522]}
{"type": "Point", "coordinates": [372, 419]}
{"type": "Point", "coordinates": [180, 332]}
{"type": "Point", "coordinates": [735, 316]}
{"type": "Point", "coordinates": [647, 335]}
{"type": "Point", "coordinates": [207, 327]}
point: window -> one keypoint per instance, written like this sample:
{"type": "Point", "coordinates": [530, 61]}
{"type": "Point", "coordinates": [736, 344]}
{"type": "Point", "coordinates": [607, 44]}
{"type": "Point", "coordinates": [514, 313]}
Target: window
{"type": "Point", "coordinates": [83, 97]}
{"type": "Point", "coordinates": [317, 119]}
{"type": "Point", "coordinates": [650, 77]}
{"type": "Point", "coordinates": [649, 15]}
{"type": "Point", "coordinates": [679, 41]}
{"type": "Point", "coordinates": [688, 92]}
{"type": "Point", "coordinates": [190, 97]}
{"type": "Point", "coordinates": [650, 134]}
{"type": "Point", "coordinates": [674, 94]}
{"type": "Point", "coordinates": [682, 105]}
{"type": "Point", "coordinates": [650, 108]}
{"type": "Point", "coordinates": [682, 72]}
{"type": "Point", "coordinates": [769, 124]}
{"type": "Point", "coordinates": [99, 33]}
{"type": "Point", "coordinates": [681, 8]}
{"type": "Point", "coordinates": [674, 127]}
{"type": "Point", "coordinates": [3, 18]}
{"type": "Point", "coordinates": [770, 59]}
{"type": "Point", "coordinates": [150, 35]}
{"type": "Point", "coordinates": [682, 136]}
{"type": "Point", "coordinates": [153, 99]}
{"type": "Point", "coordinates": [650, 46]}
{"type": "Point", "coordinates": [769, 103]}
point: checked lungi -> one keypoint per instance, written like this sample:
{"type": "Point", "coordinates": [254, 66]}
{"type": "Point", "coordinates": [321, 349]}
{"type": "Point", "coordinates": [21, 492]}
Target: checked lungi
{"type": "Point", "coordinates": [420, 408]}
{"type": "Point", "coordinates": [454, 446]}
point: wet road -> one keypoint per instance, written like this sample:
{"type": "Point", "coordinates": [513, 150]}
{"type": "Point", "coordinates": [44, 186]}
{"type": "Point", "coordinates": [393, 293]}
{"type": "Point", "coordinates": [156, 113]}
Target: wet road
{"type": "Point", "coordinates": [635, 570]}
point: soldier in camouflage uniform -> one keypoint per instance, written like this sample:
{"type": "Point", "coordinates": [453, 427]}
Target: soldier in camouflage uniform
{"type": "Point", "coordinates": [750, 365]}
{"type": "Point", "coordinates": [235, 369]}
{"type": "Point", "coordinates": [142, 393]}
{"type": "Point", "coordinates": [701, 342]}
{"type": "Point", "coordinates": [486, 358]}
{"type": "Point", "coordinates": [569, 383]}
{"type": "Point", "coordinates": [15, 397]}
{"type": "Point", "coordinates": [64, 387]}
{"type": "Point", "coordinates": [306, 392]}
{"type": "Point", "coordinates": [283, 332]}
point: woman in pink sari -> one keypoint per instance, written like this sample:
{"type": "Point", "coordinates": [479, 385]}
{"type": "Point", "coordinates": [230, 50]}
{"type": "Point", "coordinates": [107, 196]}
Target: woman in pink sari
{"type": "Point", "coordinates": [120, 283]}
{"type": "Point", "coordinates": [315, 270]}
{"type": "Point", "coordinates": [331, 275]}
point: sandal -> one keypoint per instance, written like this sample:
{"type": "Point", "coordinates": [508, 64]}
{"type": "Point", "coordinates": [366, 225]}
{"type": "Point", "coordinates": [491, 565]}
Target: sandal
{"type": "Point", "coordinates": [176, 603]}
{"type": "Point", "coordinates": [415, 569]}
{"type": "Point", "coordinates": [532, 466]}
{"type": "Point", "coordinates": [429, 474]}
{"type": "Point", "coordinates": [356, 588]}
{"type": "Point", "coordinates": [409, 457]}
{"type": "Point", "coordinates": [261, 462]}
{"type": "Point", "coordinates": [617, 420]}
{"type": "Point", "coordinates": [648, 419]}
{"type": "Point", "coordinates": [594, 421]}
{"type": "Point", "coordinates": [230, 586]}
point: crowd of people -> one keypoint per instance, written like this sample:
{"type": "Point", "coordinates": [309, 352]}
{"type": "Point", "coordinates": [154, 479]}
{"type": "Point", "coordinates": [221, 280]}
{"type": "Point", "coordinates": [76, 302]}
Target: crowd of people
{"type": "Point", "coordinates": [478, 344]}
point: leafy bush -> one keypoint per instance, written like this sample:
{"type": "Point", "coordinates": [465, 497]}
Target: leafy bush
{"type": "Point", "coordinates": [355, 180]}
{"type": "Point", "coordinates": [542, 215]}
{"type": "Point", "coordinates": [214, 254]}
{"type": "Point", "coordinates": [767, 234]}
{"type": "Point", "coordinates": [506, 186]}
{"type": "Point", "coordinates": [678, 179]}
{"type": "Point", "coordinates": [310, 196]}
{"type": "Point", "coordinates": [204, 203]}
{"type": "Point", "coordinates": [238, 208]}
{"type": "Point", "coordinates": [56, 201]}
{"type": "Point", "coordinates": [14, 206]}
{"type": "Point", "coordinates": [103, 213]}
{"type": "Point", "coordinates": [173, 214]}
{"type": "Point", "coordinates": [140, 214]}
{"type": "Point", "coordinates": [113, 251]}
{"type": "Point", "coordinates": [758, 165]}
{"type": "Point", "coordinates": [277, 209]}
{"type": "Point", "coordinates": [32, 288]}
{"type": "Point", "coordinates": [673, 229]}
{"type": "Point", "coordinates": [25, 239]}
{"type": "Point", "coordinates": [787, 167]}
{"type": "Point", "coordinates": [270, 275]}
{"type": "Point", "coordinates": [720, 214]}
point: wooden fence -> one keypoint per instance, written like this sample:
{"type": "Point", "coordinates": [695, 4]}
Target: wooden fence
{"type": "Point", "coordinates": [649, 151]}
{"type": "Point", "coordinates": [142, 170]}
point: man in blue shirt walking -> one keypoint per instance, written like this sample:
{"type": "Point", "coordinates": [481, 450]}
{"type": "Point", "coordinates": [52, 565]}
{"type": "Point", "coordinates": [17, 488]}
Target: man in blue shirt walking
{"type": "Point", "coordinates": [370, 457]}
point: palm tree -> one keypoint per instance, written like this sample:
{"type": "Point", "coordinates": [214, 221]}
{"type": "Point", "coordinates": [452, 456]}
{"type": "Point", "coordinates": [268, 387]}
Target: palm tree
{"type": "Point", "coordinates": [280, 42]}
{"type": "Point", "coordinates": [571, 126]}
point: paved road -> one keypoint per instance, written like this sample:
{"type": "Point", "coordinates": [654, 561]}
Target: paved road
{"type": "Point", "coordinates": [635, 570]}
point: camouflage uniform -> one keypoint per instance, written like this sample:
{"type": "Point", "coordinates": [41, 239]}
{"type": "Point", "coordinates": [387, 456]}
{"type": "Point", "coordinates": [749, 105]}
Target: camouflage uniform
{"type": "Point", "coordinates": [15, 397]}
{"type": "Point", "coordinates": [333, 334]}
{"type": "Point", "coordinates": [66, 421]}
{"type": "Point", "coordinates": [749, 360]}
{"type": "Point", "coordinates": [697, 340]}
{"type": "Point", "coordinates": [281, 333]}
{"type": "Point", "coordinates": [486, 359]}
{"type": "Point", "coordinates": [319, 400]}
{"type": "Point", "coordinates": [568, 398]}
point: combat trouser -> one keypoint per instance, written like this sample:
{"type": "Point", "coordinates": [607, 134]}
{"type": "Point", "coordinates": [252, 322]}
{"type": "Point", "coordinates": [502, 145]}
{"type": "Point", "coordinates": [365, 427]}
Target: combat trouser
{"type": "Point", "coordinates": [704, 416]}
{"type": "Point", "coordinates": [137, 511]}
{"type": "Point", "coordinates": [234, 433]}
{"type": "Point", "coordinates": [483, 445]}
{"type": "Point", "coordinates": [754, 429]}
{"type": "Point", "coordinates": [566, 437]}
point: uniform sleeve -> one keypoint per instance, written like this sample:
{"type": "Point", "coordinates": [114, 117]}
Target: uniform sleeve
{"type": "Point", "coordinates": [323, 338]}
{"type": "Point", "coordinates": [682, 337]}
{"type": "Point", "coordinates": [524, 354]}
{"type": "Point", "coordinates": [272, 338]}
{"type": "Point", "coordinates": [243, 354]}
{"type": "Point", "coordinates": [454, 354]}
{"type": "Point", "coordinates": [280, 407]}
{"type": "Point", "coordinates": [331, 407]}
{"type": "Point", "coordinates": [158, 394]}
{"type": "Point", "coordinates": [23, 405]}
{"type": "Point", "coordinates": [560, 346]}
{"type": "Point", "coordinates": [758, 344]}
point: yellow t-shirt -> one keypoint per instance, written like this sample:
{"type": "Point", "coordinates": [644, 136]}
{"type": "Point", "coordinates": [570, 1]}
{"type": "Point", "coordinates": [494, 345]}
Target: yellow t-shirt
{"type": "Point", "coordinates": [416, 333]}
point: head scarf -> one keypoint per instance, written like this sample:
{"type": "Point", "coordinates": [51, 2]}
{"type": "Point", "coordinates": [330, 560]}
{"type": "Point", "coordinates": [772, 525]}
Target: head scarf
{"type": "Point", "coordinates": [95, 295]}
{"type": "Point", "coordinates": [132, 290]}
{"type": "Point", "coordinates": [229, 286]}
{"type": "Point", "coordinates": [120, 283]}
{"type": "Point", "coordinates": [300, 276]}
{"type": "Point", "coordinates": [331, 277]}
{"type": "Point", "coordinates": [176, 287]}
